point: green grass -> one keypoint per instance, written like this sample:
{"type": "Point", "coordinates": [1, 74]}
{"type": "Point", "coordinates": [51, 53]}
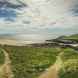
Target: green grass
{"type": "Point", "coordinates": [2, 57]}
{"type": "Point", "coordinates": [30, 62]}
{"type": "Point", "coordinates": [70, 61]}
{"type": "Point", "coordinates": [70, 74]}
{"type": "Point", "coordinates": [72, 37]}
{"type": "Point", "coordinates": [69, 53]}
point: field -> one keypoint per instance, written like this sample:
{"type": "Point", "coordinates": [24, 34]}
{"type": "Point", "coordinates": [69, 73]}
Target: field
{"type": "Point", "coordinates": [31, 62]}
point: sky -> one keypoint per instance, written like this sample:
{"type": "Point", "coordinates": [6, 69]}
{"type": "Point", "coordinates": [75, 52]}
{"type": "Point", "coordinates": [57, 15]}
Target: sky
{"type": "Point", "coordinates": [38, 20]}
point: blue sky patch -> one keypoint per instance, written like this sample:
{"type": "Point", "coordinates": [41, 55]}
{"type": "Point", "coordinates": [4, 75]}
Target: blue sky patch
{"type": "Point", "coordinates": [8, 14]}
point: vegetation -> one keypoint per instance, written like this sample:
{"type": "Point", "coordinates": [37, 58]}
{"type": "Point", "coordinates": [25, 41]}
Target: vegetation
{"type": "Point", "coordinates": [72, 37]}
{"type": "Point", "coordinates": [69, 53]}
{"type": "Point", "coordinates": [69, 74]}
{"type": "Point", "coordinates": [70, 61]}
{"type": "Point", "coordinates": [2, 57]}
{"type": "Point", "coordinates": [29, 62]}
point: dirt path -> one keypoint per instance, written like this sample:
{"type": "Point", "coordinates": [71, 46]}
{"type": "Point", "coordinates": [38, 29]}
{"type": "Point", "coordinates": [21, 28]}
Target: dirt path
{"type": "Point", "coordinates": [52, 72]}
{"type": "Point", "coordinates": [5, 69]}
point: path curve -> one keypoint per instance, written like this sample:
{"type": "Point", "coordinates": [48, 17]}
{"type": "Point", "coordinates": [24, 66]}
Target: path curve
{"type": "Point", "coordinates": [52, 72]}
{"type": "Point", "coordinates": [5, 69]}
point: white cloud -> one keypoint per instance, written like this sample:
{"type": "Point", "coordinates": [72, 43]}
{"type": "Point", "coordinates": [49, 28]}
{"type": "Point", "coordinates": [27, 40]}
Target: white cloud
{"type": "Point", "coordinates": [31, 22]}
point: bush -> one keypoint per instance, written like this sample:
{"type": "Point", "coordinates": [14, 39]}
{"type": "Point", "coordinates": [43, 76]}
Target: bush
{"type": "Point", "coordinates": [2, 57]}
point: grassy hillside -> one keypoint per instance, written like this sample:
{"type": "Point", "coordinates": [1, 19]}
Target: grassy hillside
{"type": "Point", "coordinates": [69, 38]}
{"type": "Point", "coordinates": [73, 37]}
{"type": "Point", "coordinates": [30, 62]}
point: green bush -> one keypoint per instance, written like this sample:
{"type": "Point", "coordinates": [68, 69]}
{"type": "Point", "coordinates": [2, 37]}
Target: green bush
{"type": "Point", "coordinates": [69, 74]}
{"type": "Point", "coordinates": [2, 57]}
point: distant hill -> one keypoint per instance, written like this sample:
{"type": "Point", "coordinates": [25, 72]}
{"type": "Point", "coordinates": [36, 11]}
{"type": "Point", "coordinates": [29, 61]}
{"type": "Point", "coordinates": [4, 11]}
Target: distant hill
{"type": "Point", "coordinates": [71, 37]}
{"type": "Point", "coordinates": [10, 40]}
{"type": "Point", "coordinates": [74, 37]}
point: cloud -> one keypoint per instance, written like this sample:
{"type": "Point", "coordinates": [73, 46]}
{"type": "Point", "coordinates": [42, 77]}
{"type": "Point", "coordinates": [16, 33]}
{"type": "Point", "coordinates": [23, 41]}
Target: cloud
{"type": "Point", "coordinates": [11, 4]}
{"type": "Point", "coordinates": [42, 19]}
{"type": "Point", "coordinates": [8, 9]}
{"type": "Point", "coordinates": [75, 10]}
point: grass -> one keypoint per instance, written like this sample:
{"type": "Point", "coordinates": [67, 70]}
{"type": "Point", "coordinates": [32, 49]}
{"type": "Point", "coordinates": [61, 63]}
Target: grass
{"type": "Point", "coordinates": [70, 61]}
{"type": "Point", "coordinates": [69, 53]}
{"type": "Point", "coordinates": [71, 37]}
{"type": "Point", "coordinates": [71, 74]}
{"type": "Point", "coordinates": [2, 57]}
{"type": "Point", "coordinates": [30, 62]}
